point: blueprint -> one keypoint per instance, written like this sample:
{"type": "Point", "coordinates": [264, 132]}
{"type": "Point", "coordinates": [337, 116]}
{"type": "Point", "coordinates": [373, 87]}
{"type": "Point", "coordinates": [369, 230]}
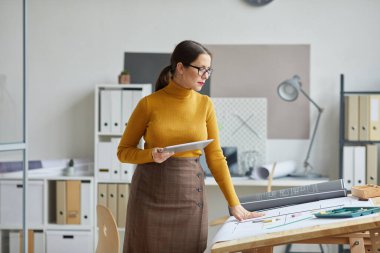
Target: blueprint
{"type": "Point", "coordinates": [285, 218]}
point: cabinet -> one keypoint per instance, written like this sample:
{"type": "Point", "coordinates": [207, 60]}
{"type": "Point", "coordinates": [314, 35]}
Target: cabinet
{"type": "Point", "coordinates": [114, 105]}
{"type": "Point", "coordinates": [48, 233]}
{"type": "Point", "coordinates": [11, 203]}
{"type": "Point", "coordinates": [359, 136]}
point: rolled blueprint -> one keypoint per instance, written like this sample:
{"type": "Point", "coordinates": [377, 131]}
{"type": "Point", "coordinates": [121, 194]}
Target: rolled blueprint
{"type": "Point", "coordinates": [294, 195]}
{"type": "Point", "coordinates": [282, 169]}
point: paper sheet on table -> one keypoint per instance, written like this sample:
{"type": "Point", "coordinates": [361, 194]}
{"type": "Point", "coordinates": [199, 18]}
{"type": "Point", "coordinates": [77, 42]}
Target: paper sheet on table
{"type": "Point", "coordinates": [286, 218]}
{"type": "Point", "coordinates": [282, 169]}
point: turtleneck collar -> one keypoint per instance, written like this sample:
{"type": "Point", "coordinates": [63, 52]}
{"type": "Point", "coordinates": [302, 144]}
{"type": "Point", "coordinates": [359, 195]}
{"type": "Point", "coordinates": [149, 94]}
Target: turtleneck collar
{"type": "Point", "coordinates": [177, 90]}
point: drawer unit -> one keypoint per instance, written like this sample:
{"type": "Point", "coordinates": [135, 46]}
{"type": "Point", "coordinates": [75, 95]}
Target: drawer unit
{"type": "Point", "coordinates": [69, 241]}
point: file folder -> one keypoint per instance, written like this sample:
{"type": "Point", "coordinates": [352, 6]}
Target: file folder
{"type": "Point", "coordinates": [73, 202]}
{"type": "Point", "coordinates": [112, 199]}
{"type": "Point", "coordinates": [30, 241]}
{"type": "Point", "coordinates": [105, 111]}
{"type": "Point", "coordinates": [374, 123]}
{"type": "Point", "coordinates": [102, 194]}
{"type": "Point", "coordinates": [372, 173]}
{"type": "Point", "coordinates": [127, 170]}
{"type": "Point", "coordinates": [122, 203]}
{"type": "Point", "coordinates": [38, 241]}
{"type": "Point", "coordinates": [137, 95]}
{"type": "Point", "coordinates": [127, 105]}
{"type": "Point", "coordinates": [348, 166]}
{"type": "Point", "coordinates": [85, 202]}
{"type": "Point", "coordinates": [116, 111]}
{"type": "Point", "coordinates": [104, 160]}
{"type": "Point", "coordinates": [351, 118]}
{"type": "Point", "coordinates": [364, 118]}
{"type": "Point", "coordinates": [14, 242]}
{"type": "Point", "coordinates": [61, 201]}
{"type": "Point", "coordinates": [116, 165]}
{"type": "Point", "coordinates": [359, 165]}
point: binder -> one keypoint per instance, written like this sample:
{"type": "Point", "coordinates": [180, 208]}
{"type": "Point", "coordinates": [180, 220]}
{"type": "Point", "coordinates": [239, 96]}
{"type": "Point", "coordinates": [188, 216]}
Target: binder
{"type": "Point", "coordinates": [364, 118]}
{"type": "Point", "coordinates": [127, 105]}
{"type": "Point", "coordinates": [38, 241]}
{"type": "Point", "coordinates": [14, 242]}
{"type": "Point", "coordinates": [61, 201]}
{"type": "Point", "coordinates": [127, 170]}
{"type": "Point", "coordinates": [348, 166]}
{"type": "Point", "coordinates": [374, 122]}
{"type": "Point", "coordinates": [112, 199]}
{"type": "Point", "coordinates": [73, 201]}
{"type": "Point", "coordinates": [116, 111]}
{"type": "Point", "coordinates": [359, 165]}
{"type": "Point", "coordinates": [351, 112]}
{"type": "Point", "coordinates": [30, 241]}
{"type": "Point", "coordinates": [122, 203]}
{"type": "Point", "coordinates": [136, 96]}
{"type": "Point", "coordinates": [115, 167]}
{"type": "Point", "coordinates": [372, 174]}
{"type": "Point", "coordinates": [85, 203]}
{"type": "Point", "coordinates": [104, 160]}
{"type": "Point", "coordinates": [105, 111]}
{"type": "Point", "coordinates": [102, 194]}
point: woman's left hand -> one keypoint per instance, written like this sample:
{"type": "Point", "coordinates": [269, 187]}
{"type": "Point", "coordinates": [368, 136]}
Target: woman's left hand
{"type": "Point", "coordinates": [240, 213]}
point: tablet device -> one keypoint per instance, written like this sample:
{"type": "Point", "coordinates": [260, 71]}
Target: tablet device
{"type": "Point", "coordinates": [187, 146]}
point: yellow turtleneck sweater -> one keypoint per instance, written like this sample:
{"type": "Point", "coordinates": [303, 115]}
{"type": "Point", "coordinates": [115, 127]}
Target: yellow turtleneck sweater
{"type": "Point", "coordinates": [175, 115]}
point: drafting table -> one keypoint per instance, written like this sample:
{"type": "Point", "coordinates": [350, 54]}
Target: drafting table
{"type": "Point", "coordinates": [362, 234]}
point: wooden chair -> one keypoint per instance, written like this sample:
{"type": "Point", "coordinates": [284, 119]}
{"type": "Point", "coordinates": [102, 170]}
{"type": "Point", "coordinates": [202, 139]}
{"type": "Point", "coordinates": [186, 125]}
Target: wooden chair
{"type": "Point", "coordinates": [108, 241]}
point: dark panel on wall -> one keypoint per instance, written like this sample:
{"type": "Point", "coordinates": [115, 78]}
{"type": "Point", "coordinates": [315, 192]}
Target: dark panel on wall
{"type": "Point", "coordinates": [146, 67]}
{"type": "Point", "coordinates": [256, 71]}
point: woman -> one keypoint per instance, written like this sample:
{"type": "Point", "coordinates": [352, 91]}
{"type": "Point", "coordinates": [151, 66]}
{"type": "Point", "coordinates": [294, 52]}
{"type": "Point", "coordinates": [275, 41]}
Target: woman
{"type": "Point", "coordinates": [167, 210]}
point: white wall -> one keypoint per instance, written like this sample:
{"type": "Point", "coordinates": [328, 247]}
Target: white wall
{"type": "Point", "coordinates": [77, 44]}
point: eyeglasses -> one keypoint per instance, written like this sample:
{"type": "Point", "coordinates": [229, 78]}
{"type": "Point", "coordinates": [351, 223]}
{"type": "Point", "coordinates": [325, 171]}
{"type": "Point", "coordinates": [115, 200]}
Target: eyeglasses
{"type": "Point", "coordinates": [202, 70]}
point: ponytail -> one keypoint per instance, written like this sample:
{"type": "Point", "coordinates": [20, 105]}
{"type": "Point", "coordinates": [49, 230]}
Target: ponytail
{"type": "Point", "coordinates": [163, 78]}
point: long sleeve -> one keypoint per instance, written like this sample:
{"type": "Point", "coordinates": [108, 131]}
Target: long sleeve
{"type": "Point", "coordinates": [216, 160]}
{"type": "Point", "coordinates": [128, 152]}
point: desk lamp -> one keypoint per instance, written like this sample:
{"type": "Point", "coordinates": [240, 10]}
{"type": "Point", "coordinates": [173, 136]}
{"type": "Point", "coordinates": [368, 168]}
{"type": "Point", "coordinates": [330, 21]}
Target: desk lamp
{"type": "Point", "coordinates": [288, 90]}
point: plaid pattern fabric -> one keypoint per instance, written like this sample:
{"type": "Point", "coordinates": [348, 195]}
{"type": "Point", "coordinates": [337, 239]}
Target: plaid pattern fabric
{"type": "Point", "coordinates": [167, 209]}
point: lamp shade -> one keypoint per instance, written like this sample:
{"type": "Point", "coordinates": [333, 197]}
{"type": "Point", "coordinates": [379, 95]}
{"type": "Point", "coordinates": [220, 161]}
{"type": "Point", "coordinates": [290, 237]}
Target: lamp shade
{"type": "Point", "coordinates": [288, 90]}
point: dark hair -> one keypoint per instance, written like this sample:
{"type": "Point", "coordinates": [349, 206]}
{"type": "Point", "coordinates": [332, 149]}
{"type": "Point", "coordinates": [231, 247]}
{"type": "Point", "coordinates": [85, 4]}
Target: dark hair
{"type": "Point", "coordinates": [186, 52]}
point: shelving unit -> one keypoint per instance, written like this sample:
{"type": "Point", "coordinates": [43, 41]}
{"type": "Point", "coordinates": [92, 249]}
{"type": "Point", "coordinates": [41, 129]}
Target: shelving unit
{"type": "Point", "coordinates": [113, 107]}
{"type": "Point", "coordinates": [342, 127]}
{"type": "Point", "coordinates": [42, 202]}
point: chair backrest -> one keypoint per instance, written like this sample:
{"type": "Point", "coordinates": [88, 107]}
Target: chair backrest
{"type": "Point", "coordinates": [108, 240]}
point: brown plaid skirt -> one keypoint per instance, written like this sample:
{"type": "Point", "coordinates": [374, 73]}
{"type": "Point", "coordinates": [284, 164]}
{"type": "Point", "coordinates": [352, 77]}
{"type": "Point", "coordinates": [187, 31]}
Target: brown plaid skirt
{"type": "Point", "coordinates": [167, 209]}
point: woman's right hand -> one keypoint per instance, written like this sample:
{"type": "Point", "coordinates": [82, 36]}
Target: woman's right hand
{"type": "Point", "coordinates": [159, 155]}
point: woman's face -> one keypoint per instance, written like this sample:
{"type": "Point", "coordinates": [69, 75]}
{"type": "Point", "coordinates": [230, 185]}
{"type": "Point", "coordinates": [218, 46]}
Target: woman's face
{"type": "Point", "coordinates": [194, 76]}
